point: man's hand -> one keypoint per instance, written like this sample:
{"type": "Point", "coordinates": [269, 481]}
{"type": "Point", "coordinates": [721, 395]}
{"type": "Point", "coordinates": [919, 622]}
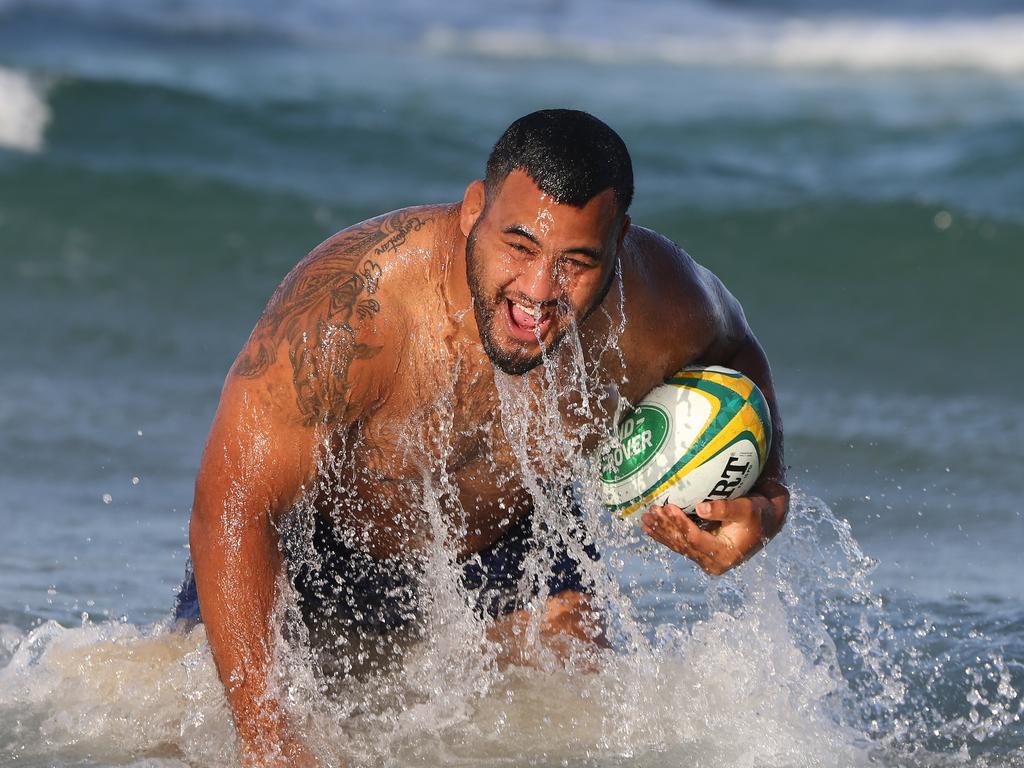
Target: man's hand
{"type": "Point", "coordinates": [744, 526]}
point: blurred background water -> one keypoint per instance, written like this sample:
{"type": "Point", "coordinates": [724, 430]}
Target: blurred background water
{"type": "Point", "coordinates": [853, 171]}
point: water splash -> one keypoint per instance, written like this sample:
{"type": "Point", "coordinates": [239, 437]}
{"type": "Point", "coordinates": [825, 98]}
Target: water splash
{"type": "Point", "coordinates": [107, 692]}
{"type": "Point", "coordinates": [794, 659]}
{"type": "Point", "coordinates": [791, 661]}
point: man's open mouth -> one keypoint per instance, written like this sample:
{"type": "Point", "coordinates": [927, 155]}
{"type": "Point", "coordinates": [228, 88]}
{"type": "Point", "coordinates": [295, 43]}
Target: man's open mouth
{"type": "Point", "coordinates": [527, 322]}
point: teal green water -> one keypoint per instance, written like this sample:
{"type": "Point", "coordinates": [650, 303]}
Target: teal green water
{"type": "Point", "coordinates": [870, 219]}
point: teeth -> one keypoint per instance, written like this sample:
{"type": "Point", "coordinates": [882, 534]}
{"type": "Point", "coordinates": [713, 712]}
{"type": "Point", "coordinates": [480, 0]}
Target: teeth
{"type": "Point", "coordinates": [534, 311]}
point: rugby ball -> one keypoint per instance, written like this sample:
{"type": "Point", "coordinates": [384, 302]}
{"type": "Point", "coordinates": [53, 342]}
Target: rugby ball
{"type": "Point", "coordinates": [703, 434]}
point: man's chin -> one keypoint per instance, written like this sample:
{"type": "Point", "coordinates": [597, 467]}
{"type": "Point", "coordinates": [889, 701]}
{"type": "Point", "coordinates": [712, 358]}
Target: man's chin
{"type": "Point", "coordinates": [515, 363]}
{"type": "Point", "coordinates": [516, 367]}
{"type": "Point", "coordinates": [507, 353]}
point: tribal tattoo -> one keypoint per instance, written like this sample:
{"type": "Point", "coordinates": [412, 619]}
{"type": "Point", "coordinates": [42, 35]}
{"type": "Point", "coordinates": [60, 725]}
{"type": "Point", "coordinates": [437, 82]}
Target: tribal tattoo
{"type": "Point", "coordinates": [312, 313]}
{"type": "Point", "coordinates": [397, 240]}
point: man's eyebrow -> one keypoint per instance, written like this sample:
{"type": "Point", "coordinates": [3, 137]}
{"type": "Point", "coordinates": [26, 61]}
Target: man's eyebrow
{"type": "Point", "coordinates": [584, 251]}
{"type": "Point", "coordinates": [519, 229]}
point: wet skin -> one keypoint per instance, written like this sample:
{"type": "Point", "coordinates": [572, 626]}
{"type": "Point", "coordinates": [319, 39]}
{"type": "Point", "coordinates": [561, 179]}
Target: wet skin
{"type": "Point", "coordinates": [385, 321]}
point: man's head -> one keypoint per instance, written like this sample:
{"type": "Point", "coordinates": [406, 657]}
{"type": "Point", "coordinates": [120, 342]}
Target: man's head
{"type": "Point", "coordinates": [543, 231]}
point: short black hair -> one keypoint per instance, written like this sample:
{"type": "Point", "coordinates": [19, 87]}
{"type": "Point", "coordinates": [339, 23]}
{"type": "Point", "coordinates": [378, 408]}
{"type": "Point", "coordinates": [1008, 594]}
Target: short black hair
{"type": "Point", "coordinates": [571, 155]}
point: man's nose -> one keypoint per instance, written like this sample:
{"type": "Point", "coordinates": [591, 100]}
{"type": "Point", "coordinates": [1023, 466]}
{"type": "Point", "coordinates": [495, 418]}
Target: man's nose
{"type": "Point", "coordinates": [539, 280]}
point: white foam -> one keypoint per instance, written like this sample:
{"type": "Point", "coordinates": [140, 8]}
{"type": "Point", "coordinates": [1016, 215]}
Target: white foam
{"type": "Point", "coordinates": [23, 112]}
{"type": "Point", "coordinates": [755, 683]}
{"type": "Point", "coordinates": [112, 691]}
{"type": "Point", "coordinates": [991, 44]}
{"type": "Point", "coordinates": [984, 44]}
{"type": "Point", "coordinates": [685, 32]}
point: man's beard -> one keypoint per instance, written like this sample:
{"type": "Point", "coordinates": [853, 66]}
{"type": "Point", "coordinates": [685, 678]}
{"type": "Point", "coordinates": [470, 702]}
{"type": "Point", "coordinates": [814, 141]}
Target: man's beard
{"type": "Point", "coordinates": [515, 362]}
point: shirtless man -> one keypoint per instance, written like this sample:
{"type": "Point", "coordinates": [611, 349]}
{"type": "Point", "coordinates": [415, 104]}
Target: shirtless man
{"type": "Point", "coordinates": [333, 401]}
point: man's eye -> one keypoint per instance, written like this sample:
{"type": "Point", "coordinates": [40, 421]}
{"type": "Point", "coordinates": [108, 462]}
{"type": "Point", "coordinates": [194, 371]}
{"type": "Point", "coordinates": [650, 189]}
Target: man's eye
{"type": "Point", "coordinates": [520, 248]}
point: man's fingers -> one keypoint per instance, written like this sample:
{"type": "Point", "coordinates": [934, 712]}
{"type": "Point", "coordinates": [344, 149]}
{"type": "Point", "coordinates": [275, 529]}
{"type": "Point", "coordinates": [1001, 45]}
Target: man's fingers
{"type": "Point", "coordinates": [739, 510]}
{"type": "Point", "coordinates": [670, 526]}
{"type": "Point", "coordinates": [711, 561]}
{"type": "Point", "coordinates": [674, 540]}
{"type": "Point", "coordinates": [672, 518]}
{"type": "Point", "coordinates": [747, 523]}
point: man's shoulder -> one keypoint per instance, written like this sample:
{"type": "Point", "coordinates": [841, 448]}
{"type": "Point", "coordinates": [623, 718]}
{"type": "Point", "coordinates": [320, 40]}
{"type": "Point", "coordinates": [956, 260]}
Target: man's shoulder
{"type": "Point", "coordinates": [333, 318]}
{"type": "Point", "coordinates": [362, 259]}
{"type": "Point", "coordinates": [386, 236]}
{"type": "Point", "coordinates": [659, 269]}
{"type": "Point", "coordinates": [341, 280]}
{"type": "Point", "coordinates": [667, 296]}
{"type": "Point", "coordinates": [383, 240]}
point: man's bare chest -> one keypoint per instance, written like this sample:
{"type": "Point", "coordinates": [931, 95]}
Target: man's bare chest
{"type": "Point", "coordinates": [460, 456]}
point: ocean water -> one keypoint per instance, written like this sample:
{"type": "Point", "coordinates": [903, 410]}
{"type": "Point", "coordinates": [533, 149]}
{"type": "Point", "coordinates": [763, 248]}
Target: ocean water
{"type": "Point", "coordinates": [855, 174]}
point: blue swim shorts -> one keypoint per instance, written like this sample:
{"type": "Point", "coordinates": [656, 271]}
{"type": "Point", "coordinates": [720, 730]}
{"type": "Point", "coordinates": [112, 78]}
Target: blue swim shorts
{"type": "Point", "coordinates": [346, 587]}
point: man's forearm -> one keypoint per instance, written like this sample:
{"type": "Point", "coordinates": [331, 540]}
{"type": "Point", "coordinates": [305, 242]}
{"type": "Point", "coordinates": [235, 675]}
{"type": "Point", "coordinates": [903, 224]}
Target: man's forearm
{"type": "Point", "coordinates": [749, 359]}
{"type": "Point", "coordinates": [236, 573]}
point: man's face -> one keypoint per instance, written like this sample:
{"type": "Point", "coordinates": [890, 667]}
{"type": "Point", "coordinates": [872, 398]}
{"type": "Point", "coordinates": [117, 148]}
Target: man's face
{"type": "Point", "coordinates": [536, 266]}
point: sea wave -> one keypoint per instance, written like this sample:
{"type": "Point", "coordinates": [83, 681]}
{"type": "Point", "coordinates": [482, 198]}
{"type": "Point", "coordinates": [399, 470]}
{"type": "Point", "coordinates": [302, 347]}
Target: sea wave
{"type": "Point", "coordinates": [24, 113]}
{"type": "Point", "coordinates": [836, 34]}
{"type": "Point", "coordinates": [990, 45]}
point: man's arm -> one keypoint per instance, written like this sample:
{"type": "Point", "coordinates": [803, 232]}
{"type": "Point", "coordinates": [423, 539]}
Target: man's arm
{"type": "Point", "coordinates": [308, 368]}
{"type": "Point", "coordinates": [745, 524]}
{"type": "Point", "coordinates": [255, 463]}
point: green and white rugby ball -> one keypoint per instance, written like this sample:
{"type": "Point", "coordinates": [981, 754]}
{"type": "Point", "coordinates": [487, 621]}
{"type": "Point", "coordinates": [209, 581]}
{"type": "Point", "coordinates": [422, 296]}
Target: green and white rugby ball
{"type": "Point", "coordinates": [703, 434]}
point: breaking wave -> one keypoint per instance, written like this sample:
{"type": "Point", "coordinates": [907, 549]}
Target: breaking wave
{"type": "Point", "coordinates": [23, 112]}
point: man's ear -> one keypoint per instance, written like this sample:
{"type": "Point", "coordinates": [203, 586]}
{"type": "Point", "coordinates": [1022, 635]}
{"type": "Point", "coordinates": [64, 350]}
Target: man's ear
{"type": "Point", "coordinates": [473, 201]}
{"type": "Point", "coordinates": [626, 221]}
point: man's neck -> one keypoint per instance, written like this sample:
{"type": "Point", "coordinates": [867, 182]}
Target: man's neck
{"type": "Point", "coordinates": [451, 247]}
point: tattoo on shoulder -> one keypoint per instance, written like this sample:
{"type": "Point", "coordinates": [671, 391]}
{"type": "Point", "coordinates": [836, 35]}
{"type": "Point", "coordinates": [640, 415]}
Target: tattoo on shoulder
{"type": "Point", "coordinates": [312, 312]}
{"type": "Point", "coordinates": [397, 240]}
